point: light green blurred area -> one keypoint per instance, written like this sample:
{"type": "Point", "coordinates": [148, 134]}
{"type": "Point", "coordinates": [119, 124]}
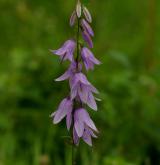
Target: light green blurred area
{"type": "Point", "coordinates": [127, 39]}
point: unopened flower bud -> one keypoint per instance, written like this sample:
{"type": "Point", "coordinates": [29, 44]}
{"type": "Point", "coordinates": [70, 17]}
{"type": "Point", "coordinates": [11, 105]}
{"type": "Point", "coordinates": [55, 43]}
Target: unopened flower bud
{"type": "Point", "coordinates": [73, 19]}
{"type": "Point", "coordinates": [87, 38]}
{"type": "Point", "coordinates": [78, 9]}
{"type": "Point", "coordinates": [87, 14]}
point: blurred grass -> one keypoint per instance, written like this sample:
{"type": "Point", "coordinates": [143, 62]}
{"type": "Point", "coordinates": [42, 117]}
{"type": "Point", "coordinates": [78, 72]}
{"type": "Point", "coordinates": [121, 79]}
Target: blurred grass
{"type": "Point", "coordinates": [127, 43]}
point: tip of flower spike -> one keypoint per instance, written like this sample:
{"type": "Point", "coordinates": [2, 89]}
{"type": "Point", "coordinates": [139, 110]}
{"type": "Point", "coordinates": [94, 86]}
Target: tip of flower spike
{"type": "Point", "coordinates": [78, 9]}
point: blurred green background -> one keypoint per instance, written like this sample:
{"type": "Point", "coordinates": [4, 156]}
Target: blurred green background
{"type": "Point", "coordinates": [127, 41]}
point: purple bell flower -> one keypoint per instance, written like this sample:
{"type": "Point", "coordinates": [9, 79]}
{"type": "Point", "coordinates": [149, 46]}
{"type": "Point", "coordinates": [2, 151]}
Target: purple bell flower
{"type": "Point", "coordinates": [64, 110]}
{"type": "Point", "coordinates": [83, 126]}
{"type": "Point", "coordinates": [81, 88]}
{"type": "Point", "coordinates": [87, 136]}
{"type": "Point", "coordinates": [66, 51]}
{"type": "Point", "coordinates": [89, 59]}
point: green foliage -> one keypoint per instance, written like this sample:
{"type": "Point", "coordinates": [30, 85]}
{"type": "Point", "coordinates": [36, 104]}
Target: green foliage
{"type": "Point", "coordinates": [126, 41]}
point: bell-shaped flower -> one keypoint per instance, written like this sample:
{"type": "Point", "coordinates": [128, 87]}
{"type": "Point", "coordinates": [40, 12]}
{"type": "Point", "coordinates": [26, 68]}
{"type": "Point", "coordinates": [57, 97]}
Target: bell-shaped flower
{"type": "Point", "coordinates": [87, 136]}
{"type": "Point", "coordinates": [64, 110]}
{"type": "Point", "coordinates": [89, 59]}
{"type": "Point", "coordinates": [83, 126]}
{"type": "Point", "coordinates": [66, 51]}
{"type": "Point", "coordinates": [83, 89]}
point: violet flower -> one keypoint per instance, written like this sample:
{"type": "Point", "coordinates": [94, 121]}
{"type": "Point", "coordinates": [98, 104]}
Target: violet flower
{"type": "Point", "coordinates": [64, 110]}
{"type": "Point", "coordinates": [83, 126]}
{"type": "Point", "coordinates": [66, 51]}
{"type": "Point", "coordinates": [87, 136]}
{"type": "Point", "coordinates": [89, 59]}
{"type": "Point", "coordinates": [81, 90]}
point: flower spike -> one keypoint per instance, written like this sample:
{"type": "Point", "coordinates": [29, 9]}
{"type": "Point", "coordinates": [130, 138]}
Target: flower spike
{"type": "Point", "coordinates": [81, 90]}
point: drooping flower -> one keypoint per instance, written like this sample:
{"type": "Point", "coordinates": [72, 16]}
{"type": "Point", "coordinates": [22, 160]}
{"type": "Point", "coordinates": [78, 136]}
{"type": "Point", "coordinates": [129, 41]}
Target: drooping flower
{"type": "Point", "coordinates": [87, 27]}
{"type": "Point", "coordinates": [89, 59]}
{"type": "Point", "coordinates": [64, 110]}
{"type": "Point", "coordinates": [66, 51]}
{"type": "Point", "coordinates": [83, 89]}
{"type": "Point", "coordinates": [87, 136]}
{"type": "Point", "coordinates": [87, 39]}
{"type": "Point", "coordinates": [83, 126]}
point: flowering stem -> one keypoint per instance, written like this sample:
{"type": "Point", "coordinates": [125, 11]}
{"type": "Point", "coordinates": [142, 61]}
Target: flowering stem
{"type": "Point", "coordinates": [82, 91]}
{"type": "Point", "coordinates": [77, 60]}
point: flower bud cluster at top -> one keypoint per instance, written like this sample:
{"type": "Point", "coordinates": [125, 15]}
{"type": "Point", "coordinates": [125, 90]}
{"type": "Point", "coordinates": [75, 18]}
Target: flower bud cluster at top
{"type": "Point", "coordinates": [81, 90]}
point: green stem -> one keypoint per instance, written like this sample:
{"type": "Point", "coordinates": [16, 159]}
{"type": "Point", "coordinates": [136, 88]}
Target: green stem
{"type": "Point", "coordinates": [73, 161]}
{"type": "Point", "coordinates": [77, 38]}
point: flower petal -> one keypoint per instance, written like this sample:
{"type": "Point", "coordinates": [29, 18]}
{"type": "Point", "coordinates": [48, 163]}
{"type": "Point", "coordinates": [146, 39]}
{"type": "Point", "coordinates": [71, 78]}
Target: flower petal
{"type": "Point", "coordinates": [91, 102]}
{"type": "Point", "coordinates": [53, 114]}
{"type": "Point", "coordinates": [87, 138]}
{"type": "Point", "coordinates": [63, 77]}
{"type": "Point", "coordinates": [75, 137]}
{"type": "Point", "coordinates": [92, 133]}
{"type": "Point", "coordinates": [93, 89]}
{"type": "Point", "coordinates": [74, 92]}
{"type": "Point", "coordinates": [64, 107]}
{"type": "Point", "coordinates": [69, 119]}
{"type": "Point", "coordinates": [83, 93]}
{"type": "Point", "coordinates": [79, 127]}
{"type": "Point", "coordinates": [59, 51]}
{"type": "Point", "coordinates": [82, 78]}
{"type": "Point", "coordinates": [84, 115]}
